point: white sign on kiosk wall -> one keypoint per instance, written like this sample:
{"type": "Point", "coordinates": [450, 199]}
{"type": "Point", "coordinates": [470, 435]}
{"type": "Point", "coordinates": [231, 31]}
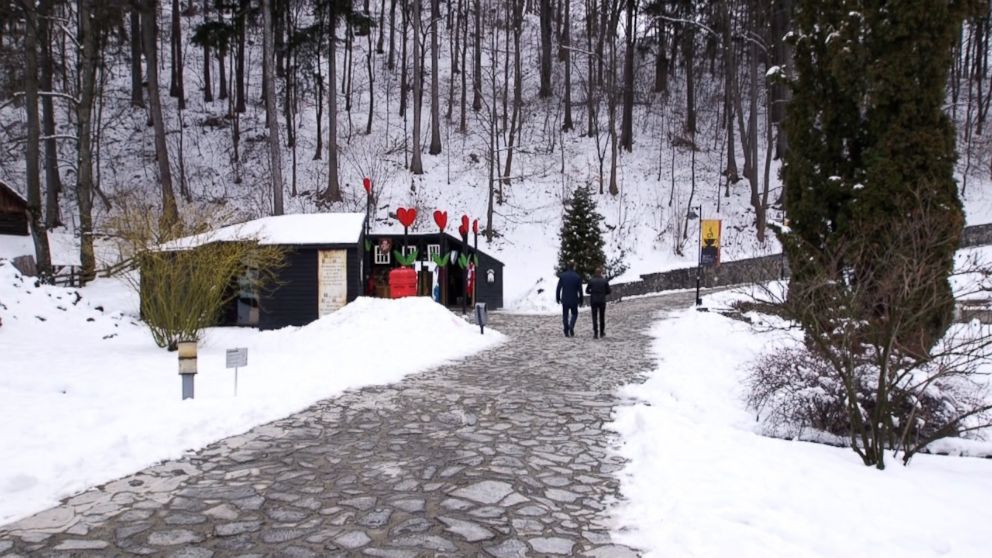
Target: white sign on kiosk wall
{"type": "Point", "coordinates": [332, 280]}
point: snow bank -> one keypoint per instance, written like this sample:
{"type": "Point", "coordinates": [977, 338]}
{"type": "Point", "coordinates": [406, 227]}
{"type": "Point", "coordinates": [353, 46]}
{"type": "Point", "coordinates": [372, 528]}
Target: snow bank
{"type": "Point", "coordinates": [701, 482]}
{"type": "Point", "coordinates": [86, 396]}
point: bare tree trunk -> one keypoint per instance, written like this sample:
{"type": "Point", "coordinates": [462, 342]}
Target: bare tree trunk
{"type": "Point", "coordinates": [590, 78]}
{"type": "Point", "coordinates": [176, 88]}
{"type": "Point", "coordinates": [392, 35]}
{"type": "Point", "coordinates": [463, 123]}
{"type": "Point", "coordinates": [688, 50]}
{"type": "Point", "coordinates": [239, 61]}
{"type": "Point", "coordinates": [477, 74]}
{"type": "Point", "coordinates": [661, 64]}
{"type": "Point", "coordinates": [404, 80]}
{"type": "Point", "coordinates": [53, 182]}
{"type": "Point", "coordinates": [566, 53]}
{"type": "Point", "coordinates": [33, 146]}
{"type": "Point", "coordinates": [627, 124]}
{"type": "Point", "coordinates": [752, 143]}
{"type": "Point", "coordinates": [271, 112]}
{"type": "Point", "coordinates": [208, 90]}
{"type": "Point", "coordinates": [435, 147]}
{"type": "Point", "coordinates": [137, 96]}
{"type": "Point", "coordinates": [382, 28]}
{"type": "Point", "coordinates": [333, 192]}
{"type": "Point", "coordinates": [779, 92]}
{"type": "Point", "coordinates": [517, 92]}
{"type": "Point", "coordinates": [368, 64]}
{"type": "Point", "coordinates": [170, 211]}
{"type": "Point", "coordinates": [416, 165]}
{"type": "Point", "coordinates": [614, 188]}
{"type": "Point", "coordinates": [222, 74]}
{"type": "Point", "coordinates": [545, 16]}
{"type": "Point", "coordinates": [730, 75]}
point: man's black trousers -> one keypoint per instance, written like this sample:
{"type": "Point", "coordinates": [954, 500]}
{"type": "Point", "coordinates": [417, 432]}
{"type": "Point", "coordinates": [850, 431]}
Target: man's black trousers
{"type": "Point", "coordinates": [599, 318]}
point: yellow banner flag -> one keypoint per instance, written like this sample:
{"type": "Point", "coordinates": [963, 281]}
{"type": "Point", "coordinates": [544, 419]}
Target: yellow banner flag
{"type": "Point", "coordinates": [709, 242]}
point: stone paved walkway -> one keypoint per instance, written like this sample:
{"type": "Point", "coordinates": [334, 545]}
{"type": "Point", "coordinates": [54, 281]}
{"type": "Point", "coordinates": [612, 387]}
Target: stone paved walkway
{"type": "Point", "coordinates": [501, 455]}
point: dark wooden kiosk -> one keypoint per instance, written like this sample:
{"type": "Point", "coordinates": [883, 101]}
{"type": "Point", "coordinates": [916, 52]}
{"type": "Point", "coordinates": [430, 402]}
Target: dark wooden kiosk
{"type": "Point", "coordinates": [13, 212]}
{"type": "Point", "coordinates": [322, 272]}
{"type": "Point", "coordinates": [488, 280]}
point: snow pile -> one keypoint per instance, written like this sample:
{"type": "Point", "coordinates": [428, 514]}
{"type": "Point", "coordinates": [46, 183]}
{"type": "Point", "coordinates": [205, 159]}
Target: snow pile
{"type": "Point", "coordinates": [86, 396]}
{"type": "Point", "coordinates": [702, 482]}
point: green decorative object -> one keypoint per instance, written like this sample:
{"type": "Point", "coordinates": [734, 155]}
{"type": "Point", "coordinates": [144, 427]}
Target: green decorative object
{"type": "Point", "coordinates": [463, 261]}
{"type": "Point", "coordinates": [440, 260]}
{"type": "Point", "coordinates": [368, 245]}
{"type": "Point", "coordinates": [407, 259]}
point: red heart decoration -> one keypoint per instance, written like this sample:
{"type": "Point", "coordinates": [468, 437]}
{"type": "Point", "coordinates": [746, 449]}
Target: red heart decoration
{"type": "Point", "coordinates": [463, 229]}
{"type": "Point", "coordinates": [441, 218]}
{"type": "Point", "coordinates": [367, 184]}
{"type": "Point", "coordinates": [475, 226]}
{"type": "Point", "coordinates": [406, 216]}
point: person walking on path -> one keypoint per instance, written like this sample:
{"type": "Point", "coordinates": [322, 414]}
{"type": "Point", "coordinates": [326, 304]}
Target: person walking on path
{"type": "Point", "coordinates": [597, 289]}
{"type": "Point", "coordinates": [569, 295]}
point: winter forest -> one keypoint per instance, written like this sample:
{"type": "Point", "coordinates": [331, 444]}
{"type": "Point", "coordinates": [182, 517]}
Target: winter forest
{"type": "Point", "coordinates": [218, 110]}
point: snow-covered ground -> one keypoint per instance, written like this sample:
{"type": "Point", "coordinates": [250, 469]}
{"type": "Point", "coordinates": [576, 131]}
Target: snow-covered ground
{"type": "Point", "coordinates": [86, 396]}
{"type": "Point", "coordinates": [701, 481]}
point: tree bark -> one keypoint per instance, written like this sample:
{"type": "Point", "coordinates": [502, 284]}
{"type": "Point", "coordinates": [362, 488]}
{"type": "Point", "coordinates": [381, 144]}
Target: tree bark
{"type": "Point", "coordinates": [176, 88]}
{"type": "Point", "coordinates": [53, 182]}
{"type": "Point", "coordinates": [271, 111]}
{"type": "Point", "coordinates": [208, 89]}
{"type": "Point", "coordinates": [392, 35]}
{"type": "Point", "coordinates": [517, 92]}
{"type": "Point", "coordinates": [545, 16]}
{"type": "Point", "coordinates": [239, 61]}
{"type": "Point", "coordinates": [477, 74]}
{"type": "Point", "coordinates": [137, 94]}
{"type": "Point", "coordinates": [86, 187]}
{"type": "Point", "coordinates": [730, 75]}
{"type": "Point", "coordinates": [170, 211]}
{"type": "Point", "coordinates": [688, 50]}
{"type": "Point", "coordinates": [435, 147]}
{"type": "Point", "coordinates": [566, 44]}
{"type": "Point", "coordinates": [32, 147]}
{"type": "Point", "coordinates": [416, 165]}
{"type": "Point", "coordinates": [627, 123]}
{"type": "Point", "coordinates": [333, 192]}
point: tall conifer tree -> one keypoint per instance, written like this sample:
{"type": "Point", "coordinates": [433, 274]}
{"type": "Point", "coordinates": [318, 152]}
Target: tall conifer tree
{"type": "Point", "coordinates": [581, 235]}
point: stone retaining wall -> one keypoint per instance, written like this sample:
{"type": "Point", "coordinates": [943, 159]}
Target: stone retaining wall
{"type": "Point", "coordinates": [751, 270]}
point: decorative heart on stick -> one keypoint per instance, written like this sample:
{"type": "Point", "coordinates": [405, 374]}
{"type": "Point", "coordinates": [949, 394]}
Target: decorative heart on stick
{"type": "Point", "coordinates": [463, 229]}
{"type": "Point", "coordinates": [405, 216]}
{"type": "Point", "coordinates": [367, 184]}
{"type": "Point", "coordinates": [475, 226]}
{"type": "Point", "coordinates": [441, 218]}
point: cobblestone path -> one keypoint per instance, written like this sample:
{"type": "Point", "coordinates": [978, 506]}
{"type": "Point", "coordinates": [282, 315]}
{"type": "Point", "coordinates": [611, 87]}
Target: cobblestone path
{"type": "Point", "coordinates": [503, 454]}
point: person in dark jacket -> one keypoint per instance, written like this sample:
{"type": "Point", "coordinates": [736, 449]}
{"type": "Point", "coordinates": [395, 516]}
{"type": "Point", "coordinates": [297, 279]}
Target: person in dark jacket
{"type": "Point", "coordinates": [569, 295]}
{"type": "Point", "coordinates": [598, 288]}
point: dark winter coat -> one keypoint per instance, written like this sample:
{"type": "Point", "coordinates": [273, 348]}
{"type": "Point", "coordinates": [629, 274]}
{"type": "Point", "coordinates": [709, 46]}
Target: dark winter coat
{"type": "Point", "coordinates": [598, 288]}
{"type": "Point", "coordinates": [569, 291]}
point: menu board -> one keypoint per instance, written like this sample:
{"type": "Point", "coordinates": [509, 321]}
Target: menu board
{"type": "Point", "coordinates": [332, 280]}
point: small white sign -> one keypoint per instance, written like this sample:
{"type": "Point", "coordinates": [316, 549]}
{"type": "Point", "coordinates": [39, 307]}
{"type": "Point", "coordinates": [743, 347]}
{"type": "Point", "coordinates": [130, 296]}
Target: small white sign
{"type": "Point", "coordinates": [236, 358]}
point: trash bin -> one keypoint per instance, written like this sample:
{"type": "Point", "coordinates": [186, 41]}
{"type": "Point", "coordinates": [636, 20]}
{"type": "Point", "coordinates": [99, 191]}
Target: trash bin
{"type": "Point", "coordinates": [402, 282]}
{"type": "Point", "coordinates": [481, 316]}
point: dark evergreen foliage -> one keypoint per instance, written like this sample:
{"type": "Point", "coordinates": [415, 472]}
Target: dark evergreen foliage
{"type": "Point", "coordinates": [581, 235]}
{"type": "Point", "coordinates": [871, 147]}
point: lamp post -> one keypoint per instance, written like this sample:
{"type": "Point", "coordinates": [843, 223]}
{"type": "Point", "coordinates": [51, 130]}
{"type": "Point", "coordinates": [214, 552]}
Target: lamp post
{"type": "Point", "coordinates": [367, 184]}
{"type": "Point", "coordinates": [696, 212]}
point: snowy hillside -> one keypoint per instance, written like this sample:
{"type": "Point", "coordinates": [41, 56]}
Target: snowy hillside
{"type": "Point", "coordinates": [645, 220]}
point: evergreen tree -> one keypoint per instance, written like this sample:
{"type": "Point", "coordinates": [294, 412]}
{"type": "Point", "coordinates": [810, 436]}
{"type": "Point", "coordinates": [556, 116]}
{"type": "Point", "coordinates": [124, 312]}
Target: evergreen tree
{"type": "Point", "coordinates": [873, 208]}
{"type": "Point", "coordinates": [581, 236]}
{"type": "Point", "coordinates": [872, 144]}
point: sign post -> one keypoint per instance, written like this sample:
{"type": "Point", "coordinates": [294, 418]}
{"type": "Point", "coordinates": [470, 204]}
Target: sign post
{"type": "Point", "coordinates": [709, 248]}
{"type": "Point", "coordinates": [236, 358]}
